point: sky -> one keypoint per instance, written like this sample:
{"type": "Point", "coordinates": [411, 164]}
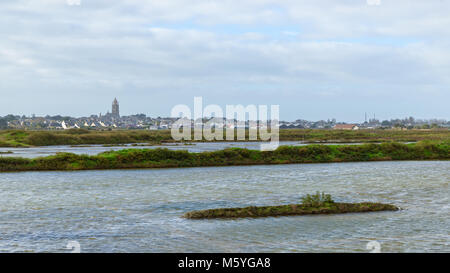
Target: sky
{"type": "Point", "coordinates": [316, 59]}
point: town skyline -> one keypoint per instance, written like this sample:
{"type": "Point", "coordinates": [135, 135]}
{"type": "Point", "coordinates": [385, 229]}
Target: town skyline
{"type": "Point", "coordinates": [113, 119]}
{"type": "Point", "coordinates": [361, 118]}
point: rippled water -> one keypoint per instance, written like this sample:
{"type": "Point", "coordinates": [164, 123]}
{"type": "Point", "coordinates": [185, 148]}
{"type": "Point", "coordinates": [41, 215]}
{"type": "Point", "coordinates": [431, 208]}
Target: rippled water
{"type": "Point", "coordinates": [140, 210]}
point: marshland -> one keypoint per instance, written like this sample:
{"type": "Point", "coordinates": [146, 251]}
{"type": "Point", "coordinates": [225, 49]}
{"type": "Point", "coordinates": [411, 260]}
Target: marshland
{"type": "Point", "coordinates": [133, 198]}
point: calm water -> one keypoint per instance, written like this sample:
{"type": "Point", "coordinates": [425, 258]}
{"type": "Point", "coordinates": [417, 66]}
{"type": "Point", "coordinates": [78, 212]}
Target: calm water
{"type": "Point", "coordinates": [140, 210]}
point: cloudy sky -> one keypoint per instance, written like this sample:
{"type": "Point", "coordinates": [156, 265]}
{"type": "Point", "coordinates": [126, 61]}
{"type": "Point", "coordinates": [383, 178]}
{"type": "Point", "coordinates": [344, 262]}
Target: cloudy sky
{"type": "Point", "coordinates": [316, 59]}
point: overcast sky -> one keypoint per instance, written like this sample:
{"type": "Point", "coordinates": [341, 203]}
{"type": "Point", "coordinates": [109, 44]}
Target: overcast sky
{"type": "Point", "coordinates": [316, 59]}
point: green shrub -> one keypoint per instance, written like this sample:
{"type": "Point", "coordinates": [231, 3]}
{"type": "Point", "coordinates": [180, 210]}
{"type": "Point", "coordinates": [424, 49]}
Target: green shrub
{"type": "Point", "coordinates": [317, 199]}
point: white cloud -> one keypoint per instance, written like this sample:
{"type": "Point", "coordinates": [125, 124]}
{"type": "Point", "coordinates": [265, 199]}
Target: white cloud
{"type": "Point", "coordinates": [300, 48]}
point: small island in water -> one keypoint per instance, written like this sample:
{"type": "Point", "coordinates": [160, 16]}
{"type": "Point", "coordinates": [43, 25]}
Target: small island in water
{"type": "Point", "coordinates": [311, 204]}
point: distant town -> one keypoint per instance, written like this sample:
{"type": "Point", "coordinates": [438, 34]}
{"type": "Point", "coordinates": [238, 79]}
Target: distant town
{"type": "Point", "coordinates": [113, 120]}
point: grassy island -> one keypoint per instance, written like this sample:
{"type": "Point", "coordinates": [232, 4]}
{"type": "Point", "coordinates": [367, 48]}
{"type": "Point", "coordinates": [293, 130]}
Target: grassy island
{"type": "Point", "coordinates": [286, 210]}
{"type": "Point", "coordinates": [165, 158]}
{"type": "Point", "coordinates": [312, 204]}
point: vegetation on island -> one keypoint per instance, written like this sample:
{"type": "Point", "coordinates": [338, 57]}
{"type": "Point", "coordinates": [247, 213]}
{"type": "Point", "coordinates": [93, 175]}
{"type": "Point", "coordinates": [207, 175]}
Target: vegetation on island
{"type": "Point", "coordinates": [26, 138]}
{"type": "Point", "coordinates": [165, 158]}
{"type": "Point", "coordinates": [317, 199]}
{"type": "Point", "coordinates": [319, 203]}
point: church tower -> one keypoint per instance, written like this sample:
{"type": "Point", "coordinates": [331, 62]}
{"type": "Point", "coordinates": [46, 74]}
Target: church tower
{"type": "Point", "coordinates": [115, 109]}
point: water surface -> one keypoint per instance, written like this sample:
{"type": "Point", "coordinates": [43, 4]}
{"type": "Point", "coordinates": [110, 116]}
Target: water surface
{"type": "Point", "coordinates": [140, 210]}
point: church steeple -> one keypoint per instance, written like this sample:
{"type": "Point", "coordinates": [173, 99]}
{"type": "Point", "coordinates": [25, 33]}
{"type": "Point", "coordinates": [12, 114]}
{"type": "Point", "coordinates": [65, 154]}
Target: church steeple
{"type": "Point", "coordinates": [115, 109]}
